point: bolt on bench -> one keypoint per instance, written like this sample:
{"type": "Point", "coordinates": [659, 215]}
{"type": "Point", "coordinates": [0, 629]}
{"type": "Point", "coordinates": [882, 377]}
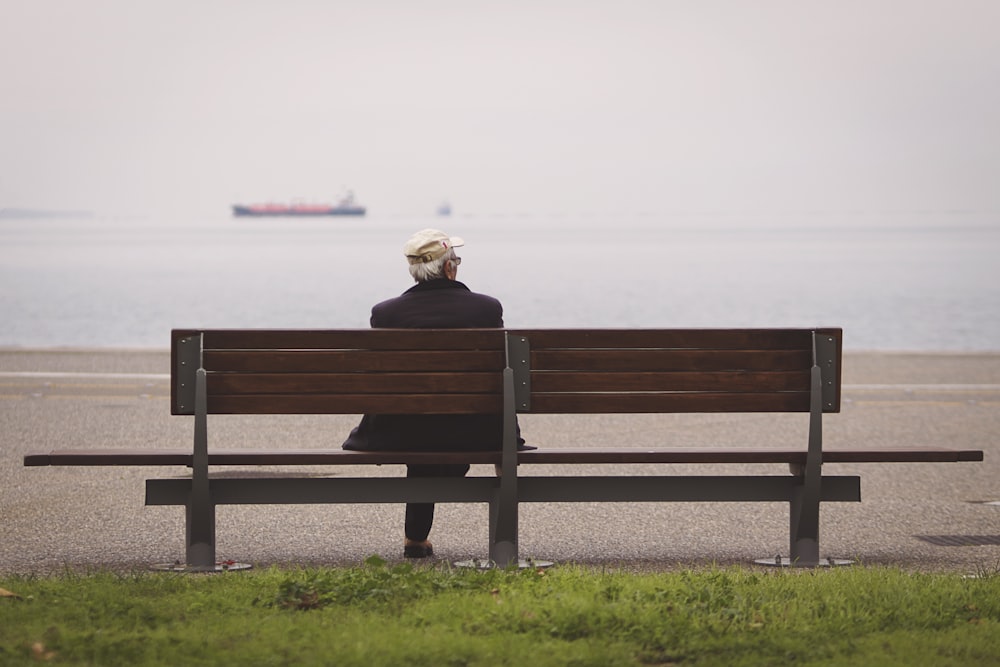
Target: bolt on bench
{"type": "Point", "coordinates": [507, 372]}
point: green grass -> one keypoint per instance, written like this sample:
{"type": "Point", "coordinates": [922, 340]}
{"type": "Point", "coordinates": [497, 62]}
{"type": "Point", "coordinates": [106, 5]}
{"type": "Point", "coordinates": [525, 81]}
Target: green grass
{"type": "Point", "coordinates": [379, 614]}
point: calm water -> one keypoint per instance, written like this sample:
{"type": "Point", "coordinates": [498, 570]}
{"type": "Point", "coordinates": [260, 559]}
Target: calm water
{"type": "Point", "coordinates": [900, 286]}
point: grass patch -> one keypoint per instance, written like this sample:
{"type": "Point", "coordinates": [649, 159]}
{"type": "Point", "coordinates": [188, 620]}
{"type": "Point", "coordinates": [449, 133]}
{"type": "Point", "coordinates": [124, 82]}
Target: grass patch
{"type": "Point", "coordinates": [381, 614]}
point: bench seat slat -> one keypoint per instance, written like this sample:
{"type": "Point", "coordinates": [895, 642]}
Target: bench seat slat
{"type": "Point", "coordinates": [699, 339]}
{"type": "Point", "coordinates": [374, 339]}
{"type": "Point", "coordinates": [182, 457]}
{"type": "Point", "coordinates": [316, 361]}
{"type": "Point", "coordinates": [354, 383]}
{"type": "Point", "coordinates": [262, 490]}
{"type": "Point", "coordinates": [669, 360]}
{"type": "Point", "coordinates": [750, 381]}
{"type": "Point", "coordinates": [333, 404]}
{"type": "Point", "coordinates": [656, 402]}
{"type": "Point", "coordinates": [613, 455]}
{"type": "Point", "coordinates": [464, 383]}
{"type": "Point", "coordinates": [576, 455]}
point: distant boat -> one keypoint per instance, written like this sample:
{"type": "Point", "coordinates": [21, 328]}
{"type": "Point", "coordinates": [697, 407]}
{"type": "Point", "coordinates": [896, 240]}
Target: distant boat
{"type": "Point", "coordinates": [346, 206]}
{"type": "Point", "coordinates": [444, 209]}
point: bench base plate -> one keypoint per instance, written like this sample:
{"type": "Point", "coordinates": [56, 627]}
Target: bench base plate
{"type": "Point", "coordinates": [785, 561]}
{"type": "Point", "coordinates": [227, 566]}
{"type": "Point", "coordinates": [486, 564]}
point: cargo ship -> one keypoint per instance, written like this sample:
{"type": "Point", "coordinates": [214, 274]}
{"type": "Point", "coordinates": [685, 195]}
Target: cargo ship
{"type": "Point", "coordinates": [346, 206]}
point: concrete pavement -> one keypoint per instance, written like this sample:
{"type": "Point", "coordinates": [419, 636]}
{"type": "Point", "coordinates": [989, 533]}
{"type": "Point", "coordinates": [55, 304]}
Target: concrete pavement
{"type": "Point", "coordinates": [920, 516]}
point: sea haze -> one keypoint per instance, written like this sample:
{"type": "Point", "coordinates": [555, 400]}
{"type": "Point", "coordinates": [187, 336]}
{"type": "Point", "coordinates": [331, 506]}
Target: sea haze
{"type": "Point", "coordinates": [901, 284]}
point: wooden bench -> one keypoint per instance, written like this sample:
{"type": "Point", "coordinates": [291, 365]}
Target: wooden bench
{"type": "Point", "coordinates": [508, 372]}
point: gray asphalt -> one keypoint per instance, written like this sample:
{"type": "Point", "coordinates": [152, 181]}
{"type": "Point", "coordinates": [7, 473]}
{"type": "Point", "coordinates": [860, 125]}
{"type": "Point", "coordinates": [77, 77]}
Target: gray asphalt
{"type": "Point", "coordinates": [937, 517]}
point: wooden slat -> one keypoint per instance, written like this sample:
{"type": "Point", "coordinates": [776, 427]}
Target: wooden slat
{"type": "Point", "coordinates": [343, 457]}
{"type": "Point", "coordinates": [38, 459]}
{"type": "Point", "coordinates": [743, 381]}
{"type": "Point", "coordinates": [670, 360]}
{"type": "Point", "coordinates": [350, 383]}
{"type": "Point", "coordinates": [373, 339]}
{"type": "Point", "coordinates": [597, 403]}
{"type": "Point", "coordinates": [901, 455]}
{"type": "Point", "coordinates": [304, 361]}
{"type": "Point", "coordinates": [569, 456]}
{"type": "Point", "coordinates": [715, 454]}
{"type": "Point", "coordinates": [109, 457]}
{"type": "Point", "coordinates": [246, 457]}
{"type": "Point", "coordinates": [319, 404]}
{"type": "Point", "coordinates": [699, 339]}
{"type": "Point", "coordinates": [634, 455]}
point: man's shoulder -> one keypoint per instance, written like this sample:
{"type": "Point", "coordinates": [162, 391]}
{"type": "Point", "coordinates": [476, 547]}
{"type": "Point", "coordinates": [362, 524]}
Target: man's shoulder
{"type": "Point", "coordinates": [445, 306]}
{"type": "Point", "coordinates": [439, 289]}
{"type": "Point", "coordinates": [468, 293]}
{"type": "Point", "coordinates": [481, 297]}
{"type": "Point", "coordinates": [475, 300]}
{"type": "Point", "coordinates": [389, 303]}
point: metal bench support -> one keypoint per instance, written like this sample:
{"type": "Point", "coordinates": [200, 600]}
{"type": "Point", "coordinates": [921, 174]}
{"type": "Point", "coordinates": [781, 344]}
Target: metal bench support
{"type": "Point", "coordinates": [200, 516]}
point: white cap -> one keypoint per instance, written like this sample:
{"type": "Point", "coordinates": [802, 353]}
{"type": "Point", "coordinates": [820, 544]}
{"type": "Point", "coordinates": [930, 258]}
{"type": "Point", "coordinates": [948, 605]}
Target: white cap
{"type": "Point", "coordinates": [428, 245]}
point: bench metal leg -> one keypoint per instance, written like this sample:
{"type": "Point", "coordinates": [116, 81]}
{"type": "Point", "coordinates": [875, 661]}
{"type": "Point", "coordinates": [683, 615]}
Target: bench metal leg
{"type": "Point", "coordinates": [503, 506]}
{"type": "Point", "coordinates": [503, 527]}
{"type": "Point", "coordinates": [200, 520]}
{"type": "Point", "coordinates": [804, 528]}
{"type": "Point", "coordinates": [805, 500]}
{"type": "Point", "coordinates": [200, 533]}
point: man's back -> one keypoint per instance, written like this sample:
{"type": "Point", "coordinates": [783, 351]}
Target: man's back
{"type": "Point", "coordinates": [437, 301]}
{"type": "Point", "coordinates": [438, 304]}
{"type": "Point", "coordinates": [434, 304]}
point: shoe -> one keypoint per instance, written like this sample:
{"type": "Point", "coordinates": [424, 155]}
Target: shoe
{"type": "Point", "coordinates": [413, 549]}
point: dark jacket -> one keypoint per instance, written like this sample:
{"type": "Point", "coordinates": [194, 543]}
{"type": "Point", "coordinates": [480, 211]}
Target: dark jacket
{"type": "Point", "coordinates": [435, 304]}
{"type": "Point", "coordinates": [438, 304]}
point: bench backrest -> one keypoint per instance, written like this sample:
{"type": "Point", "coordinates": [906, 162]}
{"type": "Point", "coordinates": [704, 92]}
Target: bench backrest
{"type": "Point", "coordinates": [389, 371]}
{"type": "Point", "coordinates": [674, 370]}
{"type": "Point", "coordinates": [397, 371]}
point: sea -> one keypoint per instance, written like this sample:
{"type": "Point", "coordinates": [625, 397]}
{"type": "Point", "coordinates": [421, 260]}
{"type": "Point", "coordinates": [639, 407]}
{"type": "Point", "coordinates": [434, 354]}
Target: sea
{"type": "Point", "coordinates": [900, 282]}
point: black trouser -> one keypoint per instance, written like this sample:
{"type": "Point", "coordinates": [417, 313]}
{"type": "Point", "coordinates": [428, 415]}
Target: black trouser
{"type": "Point", "coordinates": [420, 516]}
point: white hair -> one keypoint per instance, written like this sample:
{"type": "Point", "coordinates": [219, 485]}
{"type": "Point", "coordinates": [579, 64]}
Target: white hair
{"type": "Point", "coordinates": [434, 269]}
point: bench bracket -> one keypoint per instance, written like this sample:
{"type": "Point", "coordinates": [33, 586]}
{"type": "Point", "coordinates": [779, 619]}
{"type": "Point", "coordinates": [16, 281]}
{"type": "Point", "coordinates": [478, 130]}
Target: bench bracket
{"type": "Point", "coordinates": [519, 360]}
{"type": "Point", "coordinates": [828, 361]}
{"type": "Point", "coordinates": [188, 361]}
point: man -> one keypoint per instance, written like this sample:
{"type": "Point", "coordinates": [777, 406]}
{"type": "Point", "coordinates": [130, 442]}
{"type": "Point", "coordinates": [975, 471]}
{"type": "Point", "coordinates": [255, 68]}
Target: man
{"type": "Point", "coordinates": [437, 301]}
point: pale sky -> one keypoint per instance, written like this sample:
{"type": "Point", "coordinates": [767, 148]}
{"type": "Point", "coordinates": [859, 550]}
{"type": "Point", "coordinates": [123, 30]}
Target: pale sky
{"type": "Point", "coordinates": [133, 106]}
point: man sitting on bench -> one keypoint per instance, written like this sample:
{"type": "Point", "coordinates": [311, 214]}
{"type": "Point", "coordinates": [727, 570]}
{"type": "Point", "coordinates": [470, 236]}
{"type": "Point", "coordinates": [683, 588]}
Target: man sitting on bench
{"type": "Point", "coordinates": [437, 301]}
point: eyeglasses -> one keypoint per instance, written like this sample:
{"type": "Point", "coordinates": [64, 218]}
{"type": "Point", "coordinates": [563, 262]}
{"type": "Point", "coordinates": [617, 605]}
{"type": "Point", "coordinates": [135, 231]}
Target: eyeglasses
{"type": "Point", "coordinates": [457, 260]}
